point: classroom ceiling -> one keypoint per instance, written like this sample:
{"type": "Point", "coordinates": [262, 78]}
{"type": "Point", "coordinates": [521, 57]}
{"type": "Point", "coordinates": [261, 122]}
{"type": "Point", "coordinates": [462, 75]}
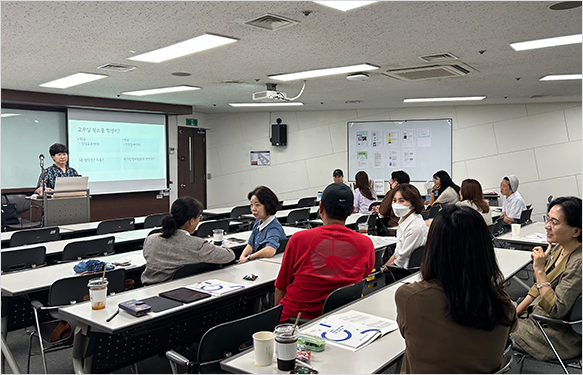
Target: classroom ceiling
{"type": "Point", "coordinates": [43, 41]}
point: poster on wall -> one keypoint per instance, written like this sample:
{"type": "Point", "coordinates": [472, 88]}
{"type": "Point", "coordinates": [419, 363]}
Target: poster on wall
{"type": "Point", "coordinates": [376, 139]}
{"type": "Point", "coordinates": [409, 158]}
{"type": "Point", "coordinates": [393, 159]}
{"type": "Point", "coordinates": [408, 139]}
{"type": "Point", "coordinates": [260, 158]}
{"type": "Point", "coordinates": [393, 138]}
{"type": "Point", "coordinates": [362, 158]}
{"type": "Point", "coordinates": [423, 137]}
{"type": "Point", "coordinates": [362, 138]}
{"type": "Point", "coordinates": [378, 159]}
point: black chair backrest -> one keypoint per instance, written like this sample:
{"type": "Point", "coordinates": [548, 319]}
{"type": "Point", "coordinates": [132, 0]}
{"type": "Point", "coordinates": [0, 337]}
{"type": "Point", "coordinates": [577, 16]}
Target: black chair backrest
{"type": "Point", "coordinates": [116, 225]}
{"type": "Point", "coordinates": [425, 214]}
{"type": "Point", "coordinates": [153, 221]}
{"type": "Point", "coordinates": [87, 249]}
{"type": "Point", "coordinates": [416, 257]}
{"type": "Point", "coordinates": [343, 296]}
{"type": "Point", "coordinates": [205, 228]}
{"type": "Point", "coordinates": [371, 219]}
{"type": "Point", "coordinates": [32, 236]}
{"type": "Point", "coordinates": [524, 216]}
{"type": "Point", "coordinates": [298, 216]}
{"type": "Point", "coordinates": [282, 245]}
{"type": "Point", "coordinates": [528, 206]}
{"type": "Point", "coordinates": [21, 203]}
{"type": "Point", "coordinates": [23, 258]}
{"type": "Point", "coordinates": [224, 340]}
{"type": "Point", "coordinates": [378, 261]}
{"type": "Point", "coordinates": [154, 231]}
{"type": "Point", "coordinates": [373, 204]}
{"type": "Point", "coordinates": [307, 202]}
{"type": "Point", "coordinates": [194, 269]}
{"type": "Point", "coordinates": [434, 210]}
{"type": "Point", "coordinates": [239, 211]}
{"type": "Point", "coordinates": [575, 315]}
{"type": "Point", "coordinates": [74, 288]}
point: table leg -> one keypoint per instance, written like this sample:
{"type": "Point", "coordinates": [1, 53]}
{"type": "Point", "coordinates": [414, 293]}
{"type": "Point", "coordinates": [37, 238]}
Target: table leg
{"type": "Point", "coordinates": [7, 354]}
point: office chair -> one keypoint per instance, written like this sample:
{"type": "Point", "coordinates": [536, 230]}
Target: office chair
{"type": "Point", "coordinates": [434, 210]}
{"type": "Point", "coordinates": [194, 269]}
{"type": "Point", "coordinates": [32, 236]}
{"type": "Point", "coordinates": [373, 204]}
{"type": "Point", "coordinates": [525, 217]}
{"type": "Point", "coordinates": [573, 320]}
{"type": "Point", "coordinates": [496, 227]}
{"type": "Point", "coordinates": [116, 225]}
{"type": "Point", "coordinates": [382, 229]}
{"type": "Point", "coordinates": [299, 218]}
{"type": "Point", "coordinates": [396, 273]}
{"type": "Point", "coordinates": [343, 296]}
{"type": "Point", "coordinates": [153, 221]}
{"type": "Point", "coordinates": [223, 341]}
{"type": "Point", "coordinates": [372, 223]}
{"type": "Point", "coordinates": [374, 280]}
{"type": "Point", "coordinates": [239, 211]}
{"type": "Point", "coordinates": [155, 231]}
{"type": "Point", "coordinates": [307, 202]}
{"type": "Point", "coordinates": [61, 293]}
{"type": "Point", "coordinates": [205, 229]}
{"type": "Point", "coordinates": [282, 245]}
{"type": "Point", "coordinates": [22, 205]}
{"type": "Point", "coordinates": [507, 357]}
{"type": "Point", "coordinates": [425, 214]}
{"type": "Point", "coordinates": [23, 258]}
{"type": "Point", "coordinates": [87, 249]}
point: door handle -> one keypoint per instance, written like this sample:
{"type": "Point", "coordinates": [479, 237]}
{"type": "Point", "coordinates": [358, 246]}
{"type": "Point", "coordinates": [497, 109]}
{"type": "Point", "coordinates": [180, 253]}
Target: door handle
{"type": "Point", "coordinates": [182, 186]}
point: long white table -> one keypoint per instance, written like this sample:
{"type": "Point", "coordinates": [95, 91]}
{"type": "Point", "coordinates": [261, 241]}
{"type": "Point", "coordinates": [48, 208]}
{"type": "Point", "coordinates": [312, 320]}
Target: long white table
{"type": "Point", "coordinates": [6, 236]}
{"type": "Point", "coordinates": [350, 220]}
{"type": "Point", "coordinates": [281, 214]}
{"type": "Point", "coordinates": [381, 353]}
{"type": "Point", "coordinates": [527, 230]}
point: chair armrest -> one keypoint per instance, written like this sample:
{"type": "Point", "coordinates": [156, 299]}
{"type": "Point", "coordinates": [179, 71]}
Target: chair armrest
{"type": "Point", "coordinates": [177, 358]}
{"type": "Point", "coordinates": [546, 319]}
{"type": "Point", "coordinates": [36, 304]}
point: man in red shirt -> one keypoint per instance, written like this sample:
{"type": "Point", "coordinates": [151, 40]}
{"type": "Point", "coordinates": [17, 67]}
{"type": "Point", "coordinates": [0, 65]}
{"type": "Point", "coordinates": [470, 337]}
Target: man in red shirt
{"type": "Point", "coordinates": [318, 261]}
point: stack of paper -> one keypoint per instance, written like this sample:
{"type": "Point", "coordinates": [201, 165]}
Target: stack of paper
{"type": "Point", "coordinates": [352, 330]}
{"type": "Point", "coordinates": [215, 287]}
{"type": "Point", "coordinates": [536, 237]}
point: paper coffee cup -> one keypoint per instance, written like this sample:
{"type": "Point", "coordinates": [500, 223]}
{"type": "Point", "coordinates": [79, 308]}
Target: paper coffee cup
{"type": "Point", "coordinates": [515, 230]}
{"type": "Point", "coordinates": [263, 343]}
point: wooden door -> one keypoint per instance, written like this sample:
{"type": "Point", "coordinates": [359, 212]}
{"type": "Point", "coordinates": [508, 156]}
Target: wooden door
{"type": "Point", "coordinates": [192, 163]}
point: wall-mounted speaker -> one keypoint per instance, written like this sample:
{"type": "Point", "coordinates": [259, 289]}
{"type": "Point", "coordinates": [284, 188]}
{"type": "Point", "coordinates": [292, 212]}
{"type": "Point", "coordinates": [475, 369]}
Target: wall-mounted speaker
{"type": "Point", "coordinates": [279, 134]}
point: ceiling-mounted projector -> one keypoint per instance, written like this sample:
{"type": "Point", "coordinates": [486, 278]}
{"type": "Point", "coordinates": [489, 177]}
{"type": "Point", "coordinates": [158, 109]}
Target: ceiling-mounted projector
{"type": "Point", "coordinates": [270, 93]}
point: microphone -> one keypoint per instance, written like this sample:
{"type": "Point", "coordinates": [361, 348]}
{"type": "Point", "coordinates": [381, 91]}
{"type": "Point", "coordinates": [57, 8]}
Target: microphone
{"type": "Point", "coordinates": [41, 157]}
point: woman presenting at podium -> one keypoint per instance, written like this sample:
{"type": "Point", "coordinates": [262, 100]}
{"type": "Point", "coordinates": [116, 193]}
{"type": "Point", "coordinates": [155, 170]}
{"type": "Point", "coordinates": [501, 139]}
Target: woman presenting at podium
{"type": "Point", "coordinates": [60, 156]}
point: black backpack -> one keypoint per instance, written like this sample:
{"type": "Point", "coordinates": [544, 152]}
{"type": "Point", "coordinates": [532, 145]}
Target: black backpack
{"type": "Point", "coordinates": [9, 215]}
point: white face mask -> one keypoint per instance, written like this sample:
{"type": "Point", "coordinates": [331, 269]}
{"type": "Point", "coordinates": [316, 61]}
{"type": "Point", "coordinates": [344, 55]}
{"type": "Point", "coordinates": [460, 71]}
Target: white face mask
{"type": "Point", "coordinates": [400, 210]}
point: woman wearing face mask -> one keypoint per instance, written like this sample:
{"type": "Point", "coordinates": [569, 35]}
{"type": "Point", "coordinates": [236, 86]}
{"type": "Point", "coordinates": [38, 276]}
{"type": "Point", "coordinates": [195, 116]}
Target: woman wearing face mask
{"type": "Point", "coordinates": [412, 230]}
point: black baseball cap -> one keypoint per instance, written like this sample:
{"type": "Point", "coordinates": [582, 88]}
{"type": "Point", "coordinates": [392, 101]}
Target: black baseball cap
{"type": "Point", "coordinates": [337, 200]}
{"type": "Point", "coordinates": [337, 173]}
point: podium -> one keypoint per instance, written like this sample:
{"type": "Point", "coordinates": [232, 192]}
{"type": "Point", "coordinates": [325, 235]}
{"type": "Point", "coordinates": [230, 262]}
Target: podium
{"type": "Point", "coordinates": [65, 207]}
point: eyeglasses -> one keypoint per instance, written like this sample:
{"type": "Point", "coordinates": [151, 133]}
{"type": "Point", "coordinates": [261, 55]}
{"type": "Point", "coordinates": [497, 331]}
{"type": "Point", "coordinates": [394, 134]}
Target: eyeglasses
{"type": "Point", "coordinates": [550, 221]}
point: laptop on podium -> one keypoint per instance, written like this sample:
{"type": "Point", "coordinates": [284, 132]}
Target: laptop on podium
{"type": "Point", "coordinates": [70, 183]}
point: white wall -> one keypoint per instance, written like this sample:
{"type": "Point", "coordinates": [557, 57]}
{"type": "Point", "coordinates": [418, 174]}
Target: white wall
{"type": "Point", "coordinates": [540, 143]}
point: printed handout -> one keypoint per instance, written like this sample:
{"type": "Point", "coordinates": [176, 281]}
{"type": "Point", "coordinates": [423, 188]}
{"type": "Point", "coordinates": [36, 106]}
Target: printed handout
{"type": "Point", "coordinates": [409, 158]}
{"type": "Point", "coordinates": [423, 137]}
{"type": "Point", "coordinates": [362, 138]}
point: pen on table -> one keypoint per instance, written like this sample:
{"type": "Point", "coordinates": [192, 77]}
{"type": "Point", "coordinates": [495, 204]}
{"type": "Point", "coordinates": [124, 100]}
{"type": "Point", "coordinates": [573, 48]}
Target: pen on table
{"type": "Point", "coordinates": [113, 316]}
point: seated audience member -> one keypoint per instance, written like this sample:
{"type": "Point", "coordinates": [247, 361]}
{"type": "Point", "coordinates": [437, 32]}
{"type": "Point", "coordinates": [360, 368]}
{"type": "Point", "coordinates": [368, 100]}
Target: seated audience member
{"type": "Point", "coordinates": [444, 191]}
{"type": "Point", "coordinates": [385, 209]}
{"type": "Point", "coordinates": [318, 261]}
{"type": "Point", "coordinates": [175, 246]}
{"type": "Point", "coordinates": [557, 284]}
{"type": "Point", "coordinates": [412, 230]}
{"type": "Point", "coordinates": [513, 203]}
{"type": "Point", "coordinates": [267, 231]}
{"type": "Point", "coordinates": [364, 194]}
{"type": "Point", "coordinates": [471, 195]}
{"type": "Point", "coordinates": [338, 175]}
{"type": "Point", "coordinates": [458, 318]}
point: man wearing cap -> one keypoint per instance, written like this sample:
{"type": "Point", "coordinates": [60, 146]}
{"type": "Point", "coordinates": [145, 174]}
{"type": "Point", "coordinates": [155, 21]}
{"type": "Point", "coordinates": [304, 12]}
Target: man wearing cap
{"type": "Point", "coordinates": [513, 202]}
{"type": "Point", "coordinates": [338, 175]}
{"type": "Point", "coordinates": [318, 261]}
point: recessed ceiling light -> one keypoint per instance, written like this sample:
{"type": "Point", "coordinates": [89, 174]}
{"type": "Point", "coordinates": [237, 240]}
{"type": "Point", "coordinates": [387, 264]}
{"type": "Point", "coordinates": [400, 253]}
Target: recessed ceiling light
{"type": "Point", "coordinates": [188, 47]}
{"type": "Point", "coordinates": [565, 5]}
{"type": "Point", "coordinates": [323, 72]}
{"type": "Point", "coordinates": [561, 77]}
{"type": "Point", "coordinates": [9, 114]}
{"type": "Point", "coordinates": [162, 90]}
{"type": "Point", "coordinates": [345, 5]}
{"type": "Point", "coordinates": [73, 80]}
{"type": "Point", "coordinates": [451, 99]}
{"type": "Point", "coordinates": [549, 42]}
{"type": "Point", "coordinates": [357, 77]}
{"type": "Point", "coordinates": [282, 104]}
{"type": "Point", "coordinates": [181, 74]}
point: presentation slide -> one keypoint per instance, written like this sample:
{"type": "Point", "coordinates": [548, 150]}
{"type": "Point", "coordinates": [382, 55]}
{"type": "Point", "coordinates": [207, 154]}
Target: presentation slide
{"type": "Point", "coordinates": [118, 151]}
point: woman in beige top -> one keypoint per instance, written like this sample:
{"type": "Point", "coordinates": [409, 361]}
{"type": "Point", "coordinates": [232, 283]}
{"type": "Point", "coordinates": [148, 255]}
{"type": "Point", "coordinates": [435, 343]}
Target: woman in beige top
{"type": "Point", "coordinates": [444, 190]}
{"type": "Point", "coordinates": [471, 195]}
{"type": "Point", "coordinates": [458, 318]}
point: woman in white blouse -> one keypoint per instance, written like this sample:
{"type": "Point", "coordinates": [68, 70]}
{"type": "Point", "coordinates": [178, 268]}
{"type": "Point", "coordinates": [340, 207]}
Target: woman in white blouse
{"type": "Point", "coordinates": [471, 195]}
{"type": "Point", "coordinates": [364, 195]}
{"type": "Point", "coordinates": [412, 230]}
{"type": "Point", "coordinates": [444, 191]}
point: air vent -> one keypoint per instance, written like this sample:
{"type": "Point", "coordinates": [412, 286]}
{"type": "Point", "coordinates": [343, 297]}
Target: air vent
{"type": "Point", "coordinates": [438, 57]}
{"type": "Point", "coordinates": [234, 82]}
{"type": "Point", "coordinates": [271, 22]}
{"type": "Point", "coordinates": [117, 67]}
{"type": "Point", "coordinates": [428, 72]}
{"type": "Point", "coordinates": [539, 96]}
{"type": "Point", "coordinates": [353, 101]}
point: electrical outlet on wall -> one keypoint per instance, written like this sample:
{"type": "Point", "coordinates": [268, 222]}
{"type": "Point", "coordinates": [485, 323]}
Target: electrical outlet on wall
{"type": "Point", "coordinates": [159, 196]}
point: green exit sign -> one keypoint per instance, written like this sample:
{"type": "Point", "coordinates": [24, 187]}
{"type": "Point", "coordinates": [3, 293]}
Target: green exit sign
{"type": "Point", "coordinates": [191, 122]}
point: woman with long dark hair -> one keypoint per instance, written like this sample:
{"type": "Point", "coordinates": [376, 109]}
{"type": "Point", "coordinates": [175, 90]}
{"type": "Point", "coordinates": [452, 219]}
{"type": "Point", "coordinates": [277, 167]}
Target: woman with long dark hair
{"type": "Point", "coordinates": [364, 195]}
{"type": "Point", "coordinates": [458, 318]}
{"type": "Point", "coordinates": [557, 284]}
{"type": "Point", "coordinates": [444, 190]}
{"type": "Point", "coordinates": [471, 195]}
{"type": "Point", "coordinates": [176, 246]}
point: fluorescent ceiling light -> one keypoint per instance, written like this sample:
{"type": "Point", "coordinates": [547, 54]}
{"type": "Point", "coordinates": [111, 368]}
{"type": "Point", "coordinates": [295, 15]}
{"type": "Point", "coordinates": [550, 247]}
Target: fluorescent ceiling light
{"type": "Point", "coordinates": [451, 99]}
{"type": "Point", "coordinates": [323, 72]}
{"type": "Point", "coordinates": [561, 77]}
{"type": "Point", "coordinates": [550, 42]}
{"type": "Point", "coordinates": [188, 47]}
{"type": "Point", "coordinates": [345, 5]}
{"type": "Point", "coordinates": [162, 90]}
{"type": "Point", "coordinates": [282, 104]}
{"type": "Point", "coordinates": [73, 80]}
{"type": "Point", "coordinates": [9, 114]}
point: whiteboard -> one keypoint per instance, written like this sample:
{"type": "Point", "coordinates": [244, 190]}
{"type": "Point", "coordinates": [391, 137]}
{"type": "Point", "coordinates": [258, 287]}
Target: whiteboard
{"type": "Point", "coordinates": [418, 147]}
